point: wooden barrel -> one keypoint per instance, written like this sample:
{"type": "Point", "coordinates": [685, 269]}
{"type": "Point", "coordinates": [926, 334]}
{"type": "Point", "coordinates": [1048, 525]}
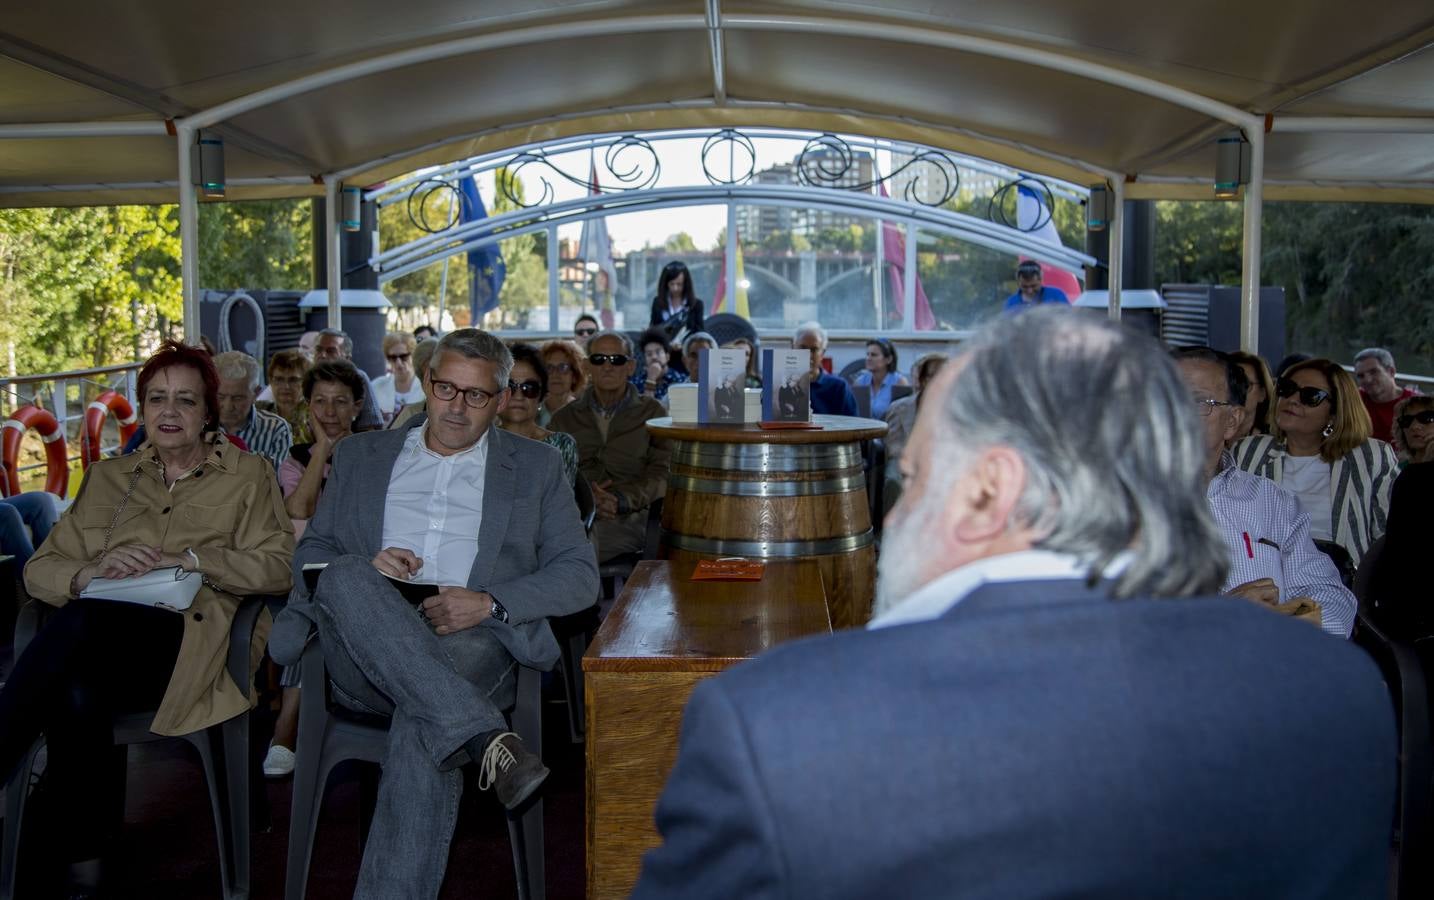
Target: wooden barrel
{"type": "Point", "coordinates": [775, 495]}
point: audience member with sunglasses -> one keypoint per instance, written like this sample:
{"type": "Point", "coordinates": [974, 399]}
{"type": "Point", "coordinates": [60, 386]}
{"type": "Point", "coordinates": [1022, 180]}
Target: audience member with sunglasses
{"type": "Point", "coordinates": [1414, 430]}
{"type": "Point", "coordinates": [1322, 452]}
{"type": "Point", "coordinates": [583, 329]}
{"type": "Point", "coordinates": [567, 374]}
{"type": "Point", "coordinates": [624, 464]}
{"type": "Point", "coordinates": [527, 385]}
{"type": "Point", "coordinates": [1398, 586]}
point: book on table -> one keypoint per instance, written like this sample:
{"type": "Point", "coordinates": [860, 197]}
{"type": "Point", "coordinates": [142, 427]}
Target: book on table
{"type": "Point", "coordinates": [722, 384]}
{"type": "Point", "coordinates": [414, 592]}
{"type": "Point", "coordinates": [786, 389]}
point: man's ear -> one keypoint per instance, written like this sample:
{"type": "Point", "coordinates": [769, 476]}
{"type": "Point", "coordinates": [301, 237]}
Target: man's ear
{"type": "Point", "coordinates": [1233, 423]}
{"type": "Point", "coordinates": [987, 494]}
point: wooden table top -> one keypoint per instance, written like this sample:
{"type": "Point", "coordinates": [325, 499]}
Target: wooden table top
{"type": "Point", "coordinates": [834, 429]}
{"type": "Point", "coordinates": [666, 622]}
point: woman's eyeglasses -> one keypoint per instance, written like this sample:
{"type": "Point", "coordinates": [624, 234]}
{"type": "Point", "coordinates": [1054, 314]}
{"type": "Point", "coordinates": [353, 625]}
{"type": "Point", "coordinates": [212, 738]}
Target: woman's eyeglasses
{"type": "Point", "coordinates": [1309, 396]}
{"type": "Point", "coordinates": [477, 398]}
{"type": "Point", "coordinates": [399, 357]}
{"type": "Point", "coordinates": [1423, 417]}
{"type": "Point", "coordinates": [559, 368]}
{"type": "Point", "coordinates": [530, 389]}
{"type": "Point", "coordinates": [609, 359]}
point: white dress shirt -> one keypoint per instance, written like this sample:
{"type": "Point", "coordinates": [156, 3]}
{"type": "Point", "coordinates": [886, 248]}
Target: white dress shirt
{"type": "Point", "coordinates": [434, 508]}
{"type": "Point", "coordinates": [932, 600]}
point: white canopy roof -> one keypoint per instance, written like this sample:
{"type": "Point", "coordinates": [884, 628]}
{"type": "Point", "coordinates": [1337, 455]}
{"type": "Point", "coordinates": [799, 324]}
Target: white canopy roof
{"type": "Point", "coordinates": [367, 89]}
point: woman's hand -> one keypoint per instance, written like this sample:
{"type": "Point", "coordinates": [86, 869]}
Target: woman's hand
{"type": "Point", "coordinates": [129, 560]}
{"type": "Point", "coordinates": [323, 444]}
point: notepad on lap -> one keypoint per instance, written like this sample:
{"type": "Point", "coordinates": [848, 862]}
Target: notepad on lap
{"type": "Point", "coordinates": [412, 591]}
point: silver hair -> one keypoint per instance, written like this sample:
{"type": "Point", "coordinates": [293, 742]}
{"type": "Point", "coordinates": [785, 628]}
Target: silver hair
{"type": "Point", "coordinates": [234, 364]}
{"type": "Point", "coordinates": [471, 343]}
{"type": "Point", "coordinates": [611, 333]}
{"type": "Point", "coordinates": [1113, 450]}
{"type": "Point", "coordinates": [696, 336]}
{"type": "Point", "coordinates": [810, 328]}
{"type": "Point", "coordinates": [1379, 355]}
{"type": "Point", "coordinates": [348, 342]}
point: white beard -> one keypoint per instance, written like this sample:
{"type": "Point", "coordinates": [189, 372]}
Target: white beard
{"type": "Point", "coordinates": [902, 567]}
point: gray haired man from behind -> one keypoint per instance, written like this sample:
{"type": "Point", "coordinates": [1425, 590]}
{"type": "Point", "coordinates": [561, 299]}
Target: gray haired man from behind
{"type": "Point", "coordinates": [487, 523]}
{"type": "Point", "coordinates": [1052, 700]}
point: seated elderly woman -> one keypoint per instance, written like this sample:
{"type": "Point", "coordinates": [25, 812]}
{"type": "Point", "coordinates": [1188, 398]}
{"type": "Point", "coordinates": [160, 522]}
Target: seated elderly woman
{"type": "Point", "coordinates": [567, 376]}
{"type": "Point", "coordinates": [1259, 399]}
{"type": "Point", "coordinates": [1414, 430]}
{"type": "Point", "coordinates": [1322, 452]}
{"type": "Point", "coordinates": [188, 499]}
{"type": "Point", "coordinates": [286, 374]}
{"type": "Point", "coordinates": [527, 385]}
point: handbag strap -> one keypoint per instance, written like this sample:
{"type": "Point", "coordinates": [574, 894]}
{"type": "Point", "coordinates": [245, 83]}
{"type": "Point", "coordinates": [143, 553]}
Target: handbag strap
{"type": "Point", "coordinates": [109, 532]}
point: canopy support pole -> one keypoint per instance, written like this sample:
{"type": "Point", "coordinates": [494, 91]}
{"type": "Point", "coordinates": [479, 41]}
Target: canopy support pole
{"type": "Point", "coordinates": [188, 234]}
{"type": "Point", "coordinates": [333, 218]}
{"type": "Point", "coordinates": [1115, 273]}
{"type": "Point", "coordinates": [1250, 251]}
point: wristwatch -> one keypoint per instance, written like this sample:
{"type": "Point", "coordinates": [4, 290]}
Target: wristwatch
{"type": "Point", "coordinates": [498, 611]}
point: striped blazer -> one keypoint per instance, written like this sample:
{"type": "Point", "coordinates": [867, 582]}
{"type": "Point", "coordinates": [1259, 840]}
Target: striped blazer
{"type": "Point", "coordinates": [1362, 480]}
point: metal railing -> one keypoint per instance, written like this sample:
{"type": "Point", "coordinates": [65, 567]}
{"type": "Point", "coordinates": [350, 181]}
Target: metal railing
{"type": "Point", "coordinates": [67, 395]}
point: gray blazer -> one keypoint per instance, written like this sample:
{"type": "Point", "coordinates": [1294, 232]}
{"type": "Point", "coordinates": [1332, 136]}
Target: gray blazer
{"type": "Point", "coordinates": [533, 555]}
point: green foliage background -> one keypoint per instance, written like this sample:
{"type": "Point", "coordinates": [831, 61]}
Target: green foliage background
{"type": "Point", "coordinates": [92, 286]}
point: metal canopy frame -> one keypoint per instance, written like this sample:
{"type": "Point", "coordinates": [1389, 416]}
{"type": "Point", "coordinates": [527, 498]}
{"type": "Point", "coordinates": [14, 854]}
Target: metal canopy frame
{"type": "Point", "coordinates": [836, 22]}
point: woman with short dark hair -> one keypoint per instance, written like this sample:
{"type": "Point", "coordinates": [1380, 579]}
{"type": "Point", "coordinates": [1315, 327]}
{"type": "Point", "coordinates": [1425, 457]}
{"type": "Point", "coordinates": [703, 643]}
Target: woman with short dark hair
{"type": "Point", "coordinates": [188, 499]}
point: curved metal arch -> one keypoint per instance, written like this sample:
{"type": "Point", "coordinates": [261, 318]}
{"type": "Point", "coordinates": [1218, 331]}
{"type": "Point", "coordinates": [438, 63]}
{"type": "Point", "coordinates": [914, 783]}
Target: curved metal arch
{"type": "Point", "coordinates": [424, 251]}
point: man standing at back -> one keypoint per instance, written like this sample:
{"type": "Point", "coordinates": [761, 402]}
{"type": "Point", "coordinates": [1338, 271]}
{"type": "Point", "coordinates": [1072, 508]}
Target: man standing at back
{"type": "Point", "coordinates": [488, 519]}
{"type": "Point", "coordinates": [1374, 370]}
{"type": "Point", "coordinates": [1050, 701]}
{"type": "Point", "coordinates": [1031, 290]}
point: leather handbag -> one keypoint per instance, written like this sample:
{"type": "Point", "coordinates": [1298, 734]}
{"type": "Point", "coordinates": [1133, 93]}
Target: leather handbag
{"type": "Point", "coordinates": [169, 588]}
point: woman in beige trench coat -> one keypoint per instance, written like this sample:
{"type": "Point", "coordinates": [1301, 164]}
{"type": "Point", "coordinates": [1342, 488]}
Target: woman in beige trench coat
{"type": "Point", "coordinates": [186, 498]}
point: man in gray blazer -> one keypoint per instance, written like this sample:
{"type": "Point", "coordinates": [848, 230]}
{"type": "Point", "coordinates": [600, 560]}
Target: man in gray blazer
{"type": "Point", "coordinates": [486, 521]}
{"type": "Point", "coordinates": [1051, 700]}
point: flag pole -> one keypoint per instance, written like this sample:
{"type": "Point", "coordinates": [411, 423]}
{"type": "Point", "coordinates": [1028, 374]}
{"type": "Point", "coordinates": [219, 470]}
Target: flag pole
{"type": "Point", "coordinates": [443, 283]}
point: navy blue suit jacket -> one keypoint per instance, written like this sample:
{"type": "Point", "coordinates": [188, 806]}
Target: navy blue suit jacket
{"type": "Point", "coordinates": [1038, 740]}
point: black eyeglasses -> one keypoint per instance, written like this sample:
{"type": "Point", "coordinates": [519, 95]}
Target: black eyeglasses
{"type": "Point", "coordinates": [1206, 405]}
{"type": "Point", "coordinates": [1424, 417]}
{"type": "Point", "coordinates": [1309, 396]}
{"type": "Point", "coordinates": [477, 398]}
{"type": "Point", "coordinates": [584, 332]}
{"type": "Point", "coordinates": [399, 357]}
{"type": "Point", "coordinates": [608, 359]}
{"type": "Point", "coordinates": [530, 389]}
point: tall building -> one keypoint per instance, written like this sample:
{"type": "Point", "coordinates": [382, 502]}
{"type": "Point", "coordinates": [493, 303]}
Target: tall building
{"type": "Point", "coordinates": [821, 168]}
{"type": "Point", "coordinates": [928, 181]}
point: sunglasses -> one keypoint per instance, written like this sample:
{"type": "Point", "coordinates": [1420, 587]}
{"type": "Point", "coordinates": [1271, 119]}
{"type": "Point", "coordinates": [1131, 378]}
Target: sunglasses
{"type": "Point", "coordinates": [1309, 396]}
{"type": "Point", "coordinates": [1423, 417]}
{"type": "Point", "coordinates": [609, 359]}
{"type": "Point", "coordinates": [585, 332]}
{"type": "Point", "coordinates": [530, 389]}
{"type": "Point", "coordinates": [399, 357]}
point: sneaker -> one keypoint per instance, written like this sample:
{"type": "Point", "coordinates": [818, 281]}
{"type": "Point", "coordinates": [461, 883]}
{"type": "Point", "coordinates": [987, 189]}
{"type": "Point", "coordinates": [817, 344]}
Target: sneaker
{"type": "Point", "coordinates": [512, 772]}
{"type": "Point", "coordinates": [278, 762]}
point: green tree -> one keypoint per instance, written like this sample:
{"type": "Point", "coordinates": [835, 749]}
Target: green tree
{"type": "Point", "coordinates": [681, 242]}
{"type": "Point", "coordinates": [260, 245]}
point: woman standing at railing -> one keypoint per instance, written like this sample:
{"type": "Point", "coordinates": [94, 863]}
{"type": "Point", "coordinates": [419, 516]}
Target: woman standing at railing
{"type": "Point", "coordinates": [188, 499]}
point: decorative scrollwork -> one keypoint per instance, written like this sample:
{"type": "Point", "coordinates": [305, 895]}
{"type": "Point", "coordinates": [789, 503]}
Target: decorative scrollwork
{"type": "Point", "coordinates": [631, 162]}
{"type": "Point", "coordinates": [1008, 196]}
{"type": "Point", "coordinates": [741, 157]}
{"type": "Point", "coordinates": [419, 209]}
{"type": "Point", "coordinates": [828, 161]}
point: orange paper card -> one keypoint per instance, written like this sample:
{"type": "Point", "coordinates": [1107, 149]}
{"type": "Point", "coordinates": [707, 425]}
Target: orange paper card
{"type": "Point", "coordinates": [728, 570]}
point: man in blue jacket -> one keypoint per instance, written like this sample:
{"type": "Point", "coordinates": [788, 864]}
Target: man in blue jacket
{"type": "Point", "coordinates": [1051, 699]}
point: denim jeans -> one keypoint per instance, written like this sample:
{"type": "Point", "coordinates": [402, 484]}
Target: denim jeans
{"type": "Point", "coordinates": [33, 508]}
{"type": "Point", "coordinates": [383, 657]}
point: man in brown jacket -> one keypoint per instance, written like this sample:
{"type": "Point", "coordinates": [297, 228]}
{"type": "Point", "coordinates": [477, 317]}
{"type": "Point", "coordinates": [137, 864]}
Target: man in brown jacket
{"type": "Point", "coordinates": [626, 466]}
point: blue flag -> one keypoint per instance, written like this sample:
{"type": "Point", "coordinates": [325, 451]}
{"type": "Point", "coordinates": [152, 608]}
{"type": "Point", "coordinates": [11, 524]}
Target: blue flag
{"type": "Point", "coordinates": [485, 265]}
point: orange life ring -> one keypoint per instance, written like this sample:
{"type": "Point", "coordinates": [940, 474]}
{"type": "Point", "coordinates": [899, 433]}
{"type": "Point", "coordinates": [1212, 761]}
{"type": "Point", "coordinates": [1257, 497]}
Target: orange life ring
{"type": "Point", "coordinates": [103, 405]}
{"type": "Point", "coordinates": [57, 466]}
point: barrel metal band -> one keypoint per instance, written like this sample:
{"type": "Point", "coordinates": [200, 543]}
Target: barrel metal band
{"type": "Point", "coordinates": [766, 457]}
{"type": "Point", "coordinates": [728, 488]}
{"type": "Point", "coordinates": [769, 549]}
